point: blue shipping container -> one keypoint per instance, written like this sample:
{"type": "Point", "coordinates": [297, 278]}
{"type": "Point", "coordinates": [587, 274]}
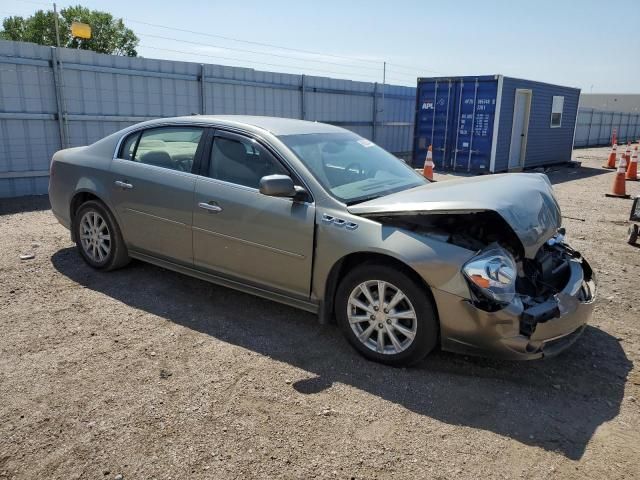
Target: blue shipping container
{"type": "Point", "coordinates": [493, 123]}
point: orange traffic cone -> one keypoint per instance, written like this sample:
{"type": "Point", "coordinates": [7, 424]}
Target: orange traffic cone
{"type": "Point", "coordinates": [632, 171]}
{"type": "Point", "coordinates": [611, 164]}
{"type": "Point", "coordinates": [428, 164]}
{"type": "Point", "coordinates": [618, 188]}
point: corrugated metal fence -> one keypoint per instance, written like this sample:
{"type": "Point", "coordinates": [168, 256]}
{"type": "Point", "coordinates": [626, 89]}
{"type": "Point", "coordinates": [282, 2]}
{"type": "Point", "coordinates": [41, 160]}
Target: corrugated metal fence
{"type": "Point", "coordinates": [55, 98]}
{"type": "Point", "coordinates": [594, 127]}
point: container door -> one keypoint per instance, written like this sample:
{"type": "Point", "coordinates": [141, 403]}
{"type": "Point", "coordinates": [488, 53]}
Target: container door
{"type": "Point", "coordinates": [456, 117]}
{"type": "Point", "coordinates": [433, 122]}
{"type": "Point", "coordinates": [475, 115]}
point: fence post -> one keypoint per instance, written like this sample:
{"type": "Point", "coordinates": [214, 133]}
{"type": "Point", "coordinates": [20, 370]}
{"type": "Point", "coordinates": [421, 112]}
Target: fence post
{"type": "Point", "coordinates": [619, 124]}
{"type": "Point", "coordinates": [588, 142]}
{"type": "Point", "coordinates": [58, 92]}
{"type": "Point", "coordinates": [203, 92]}
{"type": "Point", "coordinates": [303, 107]}
{"type": "Point", "coordinates": [375, 113]}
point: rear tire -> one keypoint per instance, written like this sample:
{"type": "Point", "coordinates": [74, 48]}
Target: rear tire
{"type": "Point", "coordinates": [98, 237]}
{"type": "Point", "coordinates": [399, 330]}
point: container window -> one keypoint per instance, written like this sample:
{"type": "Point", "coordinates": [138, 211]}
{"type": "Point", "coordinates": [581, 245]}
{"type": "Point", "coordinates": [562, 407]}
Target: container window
{"type": "Point", "coordinates": [556, 112]}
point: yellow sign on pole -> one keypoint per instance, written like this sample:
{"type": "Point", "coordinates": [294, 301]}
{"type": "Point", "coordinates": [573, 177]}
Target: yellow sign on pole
{"type": "Point", "coordinates": [80, 30]}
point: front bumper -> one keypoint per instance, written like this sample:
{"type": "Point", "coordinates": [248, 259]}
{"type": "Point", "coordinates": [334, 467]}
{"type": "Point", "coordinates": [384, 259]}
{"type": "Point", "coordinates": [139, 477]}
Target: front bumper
{"type": "Point", "coordinates": [513, 332]}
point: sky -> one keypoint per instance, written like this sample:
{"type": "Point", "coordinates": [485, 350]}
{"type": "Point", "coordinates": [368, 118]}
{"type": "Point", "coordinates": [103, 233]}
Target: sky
{"type": "Point", "coordinates": [573, 43]}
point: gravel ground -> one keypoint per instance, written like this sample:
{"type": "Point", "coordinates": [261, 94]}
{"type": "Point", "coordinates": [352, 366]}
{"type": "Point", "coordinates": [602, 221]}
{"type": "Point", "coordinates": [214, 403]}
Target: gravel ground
{"type": "Point", "coordinates": [144, 373]}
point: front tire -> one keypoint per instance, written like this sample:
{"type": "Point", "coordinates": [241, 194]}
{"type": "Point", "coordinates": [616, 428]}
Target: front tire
{"type": "Point", "coordinates": [386, 315]}
{"type": "Point", "coordinates": [98, 237]}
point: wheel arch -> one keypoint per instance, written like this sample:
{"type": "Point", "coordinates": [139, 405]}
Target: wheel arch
{"type": "Point", "coordinates": [79, 198]}
{"type": "Point", "coordinates": [352, 260]}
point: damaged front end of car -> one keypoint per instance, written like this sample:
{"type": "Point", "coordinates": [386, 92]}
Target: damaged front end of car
{"type": "Point", "coordinates": [523, 292]}
{"type": "Point", "coordinates": [550, 296]}
{"type": "Point", "coordinates": [519, 305]}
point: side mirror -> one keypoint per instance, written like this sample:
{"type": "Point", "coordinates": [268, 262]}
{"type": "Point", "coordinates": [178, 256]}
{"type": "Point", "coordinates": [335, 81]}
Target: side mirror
{"type": "Point", "coordinates": [277, 186]}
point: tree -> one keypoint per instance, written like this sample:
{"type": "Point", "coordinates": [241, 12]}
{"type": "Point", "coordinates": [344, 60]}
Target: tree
{"type": "Point", "coordinates": [108, 34]}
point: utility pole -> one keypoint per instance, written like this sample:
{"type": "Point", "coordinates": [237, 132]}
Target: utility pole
{"type": "Point", "coordinates": [55, 16]}
{"type": "Point", "coordinates": [57, 69]}
{"type": "Point", "coordinates": [384, 80]}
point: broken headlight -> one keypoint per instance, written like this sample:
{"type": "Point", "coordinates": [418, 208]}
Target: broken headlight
{"type": "Point", "coordinates": [493, 271]}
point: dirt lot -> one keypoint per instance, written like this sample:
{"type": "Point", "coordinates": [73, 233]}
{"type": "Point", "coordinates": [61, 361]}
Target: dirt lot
{"type": "Point", "coordinates": [145, 373]}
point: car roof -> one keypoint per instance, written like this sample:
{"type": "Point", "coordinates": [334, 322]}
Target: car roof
{"type": "Point", "coordinates": [275, 125]}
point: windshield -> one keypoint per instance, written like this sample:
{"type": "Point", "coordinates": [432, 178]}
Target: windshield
{"type": "Point", "coordinates": [352, 168]}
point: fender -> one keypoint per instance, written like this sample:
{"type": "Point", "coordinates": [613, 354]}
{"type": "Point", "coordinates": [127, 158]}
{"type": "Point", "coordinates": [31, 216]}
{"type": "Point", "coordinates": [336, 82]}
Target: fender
{"type": "Point", "coordinates": [86, 186]}
{"type": "Point", "coordinates": [437, 263]}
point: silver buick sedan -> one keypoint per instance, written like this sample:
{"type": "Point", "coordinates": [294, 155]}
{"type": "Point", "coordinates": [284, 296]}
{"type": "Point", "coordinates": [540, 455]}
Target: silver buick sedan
{"type": "Point", "coordinates": [321, 219]}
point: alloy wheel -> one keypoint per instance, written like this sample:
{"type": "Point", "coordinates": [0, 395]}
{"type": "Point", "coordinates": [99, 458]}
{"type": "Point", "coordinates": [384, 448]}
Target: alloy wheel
{"type": "Point", "coordinates": [382, 317]}
{"type": "Point", "coordinates": [95, 237]}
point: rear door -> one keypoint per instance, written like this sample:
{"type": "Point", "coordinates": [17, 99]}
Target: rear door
{"type": "Point", "coordinates": [237, 231]}
{"type": "Point", "coordinates": [153, 189]}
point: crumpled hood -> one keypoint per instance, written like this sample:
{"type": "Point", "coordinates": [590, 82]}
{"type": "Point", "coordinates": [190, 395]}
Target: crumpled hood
{"type": "Point", "coordinates": [524, 200]}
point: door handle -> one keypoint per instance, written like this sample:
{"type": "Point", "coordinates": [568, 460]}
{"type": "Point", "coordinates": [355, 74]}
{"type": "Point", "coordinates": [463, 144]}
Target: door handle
{"type": "Point", "coordinates": [123, 185]}
{"type": "Point", "coordinates": [209, 207]}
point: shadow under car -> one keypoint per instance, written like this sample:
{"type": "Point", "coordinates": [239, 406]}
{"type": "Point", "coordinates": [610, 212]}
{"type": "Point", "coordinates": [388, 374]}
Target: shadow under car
{"type": "Point", "coordinates": [556, 404]}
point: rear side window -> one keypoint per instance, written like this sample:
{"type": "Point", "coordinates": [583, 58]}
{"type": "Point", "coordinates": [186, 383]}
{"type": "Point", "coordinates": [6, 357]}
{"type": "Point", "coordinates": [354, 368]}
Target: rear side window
{"type": "Point", "coordinates": [168, 147]}
{"type": "Point", "coordinates": [128, 147]}
{"type": "Point", "coordinates": [242, 161]}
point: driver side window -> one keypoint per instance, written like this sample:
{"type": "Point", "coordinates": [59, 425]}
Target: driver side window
{"type": "Point", "coordinates": [242, 161]}
{"type": "Point", "coordinates": [168, 147]}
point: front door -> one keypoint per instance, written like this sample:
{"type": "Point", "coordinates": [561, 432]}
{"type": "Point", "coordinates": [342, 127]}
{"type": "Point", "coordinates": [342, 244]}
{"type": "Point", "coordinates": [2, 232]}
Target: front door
{"type": "Point", "coordinates": [238, 232]}
{"type": "Point", "coordinates": [153, 190]}
{"type": "Point", "coordinates": [521, 109]}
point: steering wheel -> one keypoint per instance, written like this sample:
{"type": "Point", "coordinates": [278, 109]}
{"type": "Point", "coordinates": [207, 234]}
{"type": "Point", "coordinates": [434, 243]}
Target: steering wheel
{"type": "Point", "coordinates": [354, 166]}
{"type": "Point", "coordinates": [184, 164]}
